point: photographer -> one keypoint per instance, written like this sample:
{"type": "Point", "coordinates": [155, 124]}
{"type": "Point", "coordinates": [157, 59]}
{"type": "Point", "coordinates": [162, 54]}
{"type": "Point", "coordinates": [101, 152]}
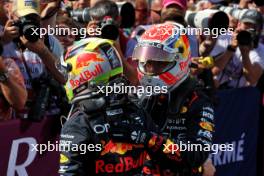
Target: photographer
{"type": "Point", "coordinates": [242, 63]}
{"type": "Point", "coordinates": [66, 23]}
{"type": "Point", "coordinates": [39, 58]}
{"type": "Point", "coordinates": [13, 92]}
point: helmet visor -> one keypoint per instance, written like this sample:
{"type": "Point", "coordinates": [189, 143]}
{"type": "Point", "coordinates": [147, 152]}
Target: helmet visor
{"type": "Point", "coordinates": [146, 53]}
{"type": "Point", "coordinates": [153, 68]}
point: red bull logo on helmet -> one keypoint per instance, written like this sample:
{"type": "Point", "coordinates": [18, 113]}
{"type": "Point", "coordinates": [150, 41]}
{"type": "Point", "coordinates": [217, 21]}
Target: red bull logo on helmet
{"type": "Point", "coordinates": [159, 33]}
{"type": "Point", "coordinates": [86, 76]}
{"type": "Point", "coordinates": [84, 59]}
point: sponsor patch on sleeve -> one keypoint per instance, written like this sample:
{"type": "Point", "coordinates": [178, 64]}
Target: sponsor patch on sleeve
{"type": "Point", "coordinates": [63, 159]}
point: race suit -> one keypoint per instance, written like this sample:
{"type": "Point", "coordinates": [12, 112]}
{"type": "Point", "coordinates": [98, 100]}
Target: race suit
{"type": "Point", "coordinates": [89, 125]}
{"type": "Point", "coordinates": [187, 117]}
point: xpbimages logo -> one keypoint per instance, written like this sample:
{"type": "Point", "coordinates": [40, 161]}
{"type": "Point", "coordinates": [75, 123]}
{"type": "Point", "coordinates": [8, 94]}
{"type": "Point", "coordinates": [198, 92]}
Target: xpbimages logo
{"type": "Point", "coordinates": [65, 146]}
{"type": "Point", "coordinates": [181, 147]}
{"type": "Point", "coordinates": [139, 90]}
{"type": "Point", "coordinates": [66, 31]}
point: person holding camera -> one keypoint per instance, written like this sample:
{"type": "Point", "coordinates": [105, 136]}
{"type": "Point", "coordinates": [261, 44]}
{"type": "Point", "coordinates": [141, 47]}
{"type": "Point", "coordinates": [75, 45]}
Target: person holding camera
{"type": "Point", "coordinates": [240, 62]}
{"type": "Point", "coordinates": [13, 94]}
{"type": "Point", "coordinates": [96, 65]}
{"type": "Point", "coordinates": [39, 58]}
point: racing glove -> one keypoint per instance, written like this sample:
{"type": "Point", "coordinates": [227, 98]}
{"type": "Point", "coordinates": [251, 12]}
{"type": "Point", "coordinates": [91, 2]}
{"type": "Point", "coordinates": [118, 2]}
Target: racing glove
{"type": "Point", "coordinates": [123, 131]}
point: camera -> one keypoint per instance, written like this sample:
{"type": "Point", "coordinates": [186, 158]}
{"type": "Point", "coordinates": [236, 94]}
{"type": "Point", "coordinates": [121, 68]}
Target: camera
{"type": "Point", "coordinates": [209, 18]}
{"type": "Point", "coordinates": [80, 15]}
{"type": "Point", "coordinates": [234, 12]}
{"type": "Point", "coordinates": [248, 38]}
{"type": "Point", "coordinates": [109, 29]}
{"type": "Point", "coordinates": [27, 27]}
{"type": "Point", "coordinates": [126, 11]}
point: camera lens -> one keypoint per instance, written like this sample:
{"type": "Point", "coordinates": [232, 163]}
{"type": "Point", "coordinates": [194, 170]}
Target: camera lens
{"type": "Point", "coordinates": [110, 31]}
{"type": "Point", "coordinates": [82, 16]}
{"type": "Point", "coordinates": [219, 20]}
{"type": "Point", "coordinates": [28, 32]}
{"type": "Point", "coordinates": [244, 38]}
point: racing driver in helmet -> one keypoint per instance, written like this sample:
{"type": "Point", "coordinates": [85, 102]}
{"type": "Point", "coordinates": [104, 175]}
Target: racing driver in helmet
{"type": "Point", "coordinates": [93, 63]}
{"type": "Point", "coordinates": [185, 114]}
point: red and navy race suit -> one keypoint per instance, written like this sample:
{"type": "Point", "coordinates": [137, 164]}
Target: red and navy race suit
{"type": "Point", "coordinates": [187, 116]}
{"type": "Point", "coordinates": [92, 128]}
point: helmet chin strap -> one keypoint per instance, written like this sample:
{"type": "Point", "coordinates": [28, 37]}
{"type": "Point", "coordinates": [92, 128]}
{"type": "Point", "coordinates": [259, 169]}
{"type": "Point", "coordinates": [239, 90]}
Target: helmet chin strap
{"type": "Point", "coordinates": [180, 94]}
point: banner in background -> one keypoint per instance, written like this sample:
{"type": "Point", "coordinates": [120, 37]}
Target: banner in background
{"type": "Point", "coordinates": [17, 154]}
{"type": "Point", "coordinates": [237, 117]}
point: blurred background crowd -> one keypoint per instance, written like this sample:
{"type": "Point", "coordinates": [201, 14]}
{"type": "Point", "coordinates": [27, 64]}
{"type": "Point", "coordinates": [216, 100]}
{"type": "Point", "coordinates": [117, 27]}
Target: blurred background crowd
{"type": "Point", "coordinates": [31, 71]}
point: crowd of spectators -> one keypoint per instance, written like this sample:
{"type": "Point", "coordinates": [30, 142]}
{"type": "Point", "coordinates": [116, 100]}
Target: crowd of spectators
{"type": "Point", "coordinates": [32, 70]}
{"type": "Point", "coordinates": [32, 73]}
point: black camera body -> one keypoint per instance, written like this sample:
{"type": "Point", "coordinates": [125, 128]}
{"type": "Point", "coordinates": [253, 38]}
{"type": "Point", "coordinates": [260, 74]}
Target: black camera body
{"type": "Point", "coordinates": [108, 25]}
{"type": "Point", "coordinates": [27, 27]}
{"type": "Point", "coordinates": [46, 87]}
{"type": "Point", "coordinates": [109, 29]}
{"type": "Point", "coordinates": [248, 38]}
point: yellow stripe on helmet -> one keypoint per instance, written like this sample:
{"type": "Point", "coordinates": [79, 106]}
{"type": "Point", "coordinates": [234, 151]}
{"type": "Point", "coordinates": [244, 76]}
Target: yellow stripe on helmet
{"type": "Point", "coordinates": [95, 42]}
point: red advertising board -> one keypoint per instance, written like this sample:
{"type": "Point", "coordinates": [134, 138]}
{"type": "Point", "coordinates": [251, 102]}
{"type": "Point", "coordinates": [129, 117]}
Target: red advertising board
{"type": "Point", "coordinates": [18, 148]}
